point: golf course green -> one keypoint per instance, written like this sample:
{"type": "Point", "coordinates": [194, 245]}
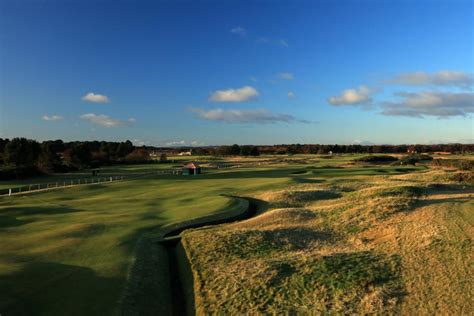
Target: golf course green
{"type": "Point", "coordinates": [71, 251]}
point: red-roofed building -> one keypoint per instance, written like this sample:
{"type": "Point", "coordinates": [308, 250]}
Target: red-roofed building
{"type": "Point", "coordinates": [191, 169]}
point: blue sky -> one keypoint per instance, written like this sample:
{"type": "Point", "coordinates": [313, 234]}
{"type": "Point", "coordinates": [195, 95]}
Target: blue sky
{"type": "Point", "coordinates": [263, 72]}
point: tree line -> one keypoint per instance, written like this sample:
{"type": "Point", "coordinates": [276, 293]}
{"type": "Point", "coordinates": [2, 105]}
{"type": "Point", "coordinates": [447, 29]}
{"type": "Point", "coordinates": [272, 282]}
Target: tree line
{"type": "Point", "coordinates": [291, 149]}
{"type": "Point", "coordinates": [20, 157]}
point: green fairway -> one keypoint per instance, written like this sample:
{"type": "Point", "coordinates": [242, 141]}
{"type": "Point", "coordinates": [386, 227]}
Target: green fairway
{"type": "Point", "coordinates": [69, 251]}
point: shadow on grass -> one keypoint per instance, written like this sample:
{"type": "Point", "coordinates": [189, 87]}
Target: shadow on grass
{"type": "Point", "coordinates": [235, 174]}
{"type": "Point", "coordinates": [7, 221]}
{"type": "Point", "coordinates": [307, 180]}
{"type": "Point", "coordinates": [422, 203]}
{"type": "Point", "coordinates": [47, 288]}
{"type": "Point", "coordinates": [38, 210]}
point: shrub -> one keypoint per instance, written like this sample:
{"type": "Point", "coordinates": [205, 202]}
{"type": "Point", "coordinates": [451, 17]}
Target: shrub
{"type": "Point", "coordinates": [466, 165]}
{"type": "Point", "coordinates": [11, 173]}
{"type": "Point", "coordinates": [415, 158]}
{"type": "Point", "coordinates": [377, 159]}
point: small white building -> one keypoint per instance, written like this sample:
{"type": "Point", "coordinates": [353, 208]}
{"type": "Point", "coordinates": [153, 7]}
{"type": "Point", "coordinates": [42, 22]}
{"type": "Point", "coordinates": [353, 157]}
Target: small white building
{"type": "Point", "coordinates": [185, 153]}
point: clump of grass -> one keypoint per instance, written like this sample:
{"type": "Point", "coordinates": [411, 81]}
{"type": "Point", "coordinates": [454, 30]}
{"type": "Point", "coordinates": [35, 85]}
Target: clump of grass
{"type": "Point", "coordinates": [463, 177]}
{"type": "Point", "coordinates": [400, 191]}
{"type": "Point", "coordinates": [300, 198]}
{"type": "Point", "coordinates": [261, 243]}
{"type": "Point", "coordinates": [279, 217]}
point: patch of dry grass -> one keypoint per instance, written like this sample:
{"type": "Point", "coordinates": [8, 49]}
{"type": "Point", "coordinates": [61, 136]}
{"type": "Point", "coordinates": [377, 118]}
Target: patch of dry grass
{"type": "Point", "coordinates": [389, 244]}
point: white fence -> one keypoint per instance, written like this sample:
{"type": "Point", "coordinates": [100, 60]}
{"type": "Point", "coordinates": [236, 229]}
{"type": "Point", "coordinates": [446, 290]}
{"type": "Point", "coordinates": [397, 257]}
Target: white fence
{"type": "Point", "coordinates": [27, 188]}
{"type": "Point", "coordinates": [58, 184]}
{"type": "Point", "coordinates": [66, 183]}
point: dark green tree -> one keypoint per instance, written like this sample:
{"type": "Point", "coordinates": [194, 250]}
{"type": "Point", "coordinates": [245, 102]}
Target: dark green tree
{"type": "Point", "coordinates": [245, 150]}
{"type": "Point", "coordinates": [21, 152]}
{"type": "Point", "coordinates": [254, 151]}
{"type": "Point", "coordinates": [234, 150]}
{"type": "Point", "coordinates": [80, 156]}
{"type": "Point", "coordinates": [49, 160]}
{"type": "Point", "coordinates": [124, 149]}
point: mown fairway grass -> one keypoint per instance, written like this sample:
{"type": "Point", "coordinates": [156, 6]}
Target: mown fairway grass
{"type": "Point", "coordinates": [68, 251]}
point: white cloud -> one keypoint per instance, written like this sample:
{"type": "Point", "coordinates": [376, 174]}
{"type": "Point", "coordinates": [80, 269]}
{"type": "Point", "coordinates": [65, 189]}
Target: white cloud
{"type": "Point", "coordinates": [291, 95]}
{"type": "Point", "coordinates": [239, 31]}
{"type": "Point", "coordinates": [441, 78]}
{"type": "Point", "coordinates": [132, 120]}
{"type": "Point", "coordinates": [252, 78]}
{"type": "Point", "coordinates": [244, 116]}
{"type": "Point", "coordinates": [285, 76]}
{"type": "Point", "coordinates": [184, 143]}
{"type": "Point", "coordinates": [52, 117]}
{"type": "Point", "coordinates": [139, 142]}
{"type": "Point", "coordinates": [197, 143]}
{"type": "Point", "coordinates": [428, 103]}
{"type": "Point", "coordinates": [176, 143]}
{"type": "Point", "coordinates": [357, 96]}
{"type": "Point", "coordinates": [104, 120]}
{"type": "Point", "coordinates": [97, 98]}
{"type": "Point", "coordinates": [246, 93]}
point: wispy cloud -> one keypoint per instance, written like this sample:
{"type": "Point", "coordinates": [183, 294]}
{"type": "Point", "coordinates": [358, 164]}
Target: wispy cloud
{"type": "Point", "coordinates": [243, 94]}
{"type": "Point", "coordinates": [140, 142]}
{"type": "Point", "coordinates": [441, 78]}
{"type": "Point", "coordinates": [428, 103]}
{"type": "Point", "coordinates": [106, 121]}
{"type": "Point", "coordinates": [359, 96]}
{"type": "Point", "coordinates": [97, 98]}
{"type": "Point", "coordinates": [244, 116]}
{"type": "Point", "coordinates": [283, 42]}
{"type": "Point", "coordinates": [184, 143]}
{"type": "Point", "coordinates": [285, 76]}
{"type": "Point", "coordinates": [361, 142]}
{"type": "Point", "coordinates": [175, 143]}
{"type": "Point", "coordinates": [197, 143]}
{"type": "Point", "coordinates": [254, 79]}
{"type": "Point", "coordinates": [239, 31]}
{"type": "Point", "coordinates": [52, 118]}
{"type": "Point", "coordinates": [277, 42]}
{"type": "Point", "coordinates": [291, 95]}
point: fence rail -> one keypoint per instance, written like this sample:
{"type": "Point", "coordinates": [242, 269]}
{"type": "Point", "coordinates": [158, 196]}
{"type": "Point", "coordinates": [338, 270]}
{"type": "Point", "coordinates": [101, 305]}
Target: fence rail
{"type": "Point", "coordinates": [66, 183]}
{"type": "Point", "coordinates": [27, 188]}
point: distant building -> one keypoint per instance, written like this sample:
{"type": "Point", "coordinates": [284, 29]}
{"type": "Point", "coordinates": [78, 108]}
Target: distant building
{"type": "Point", "coordinates": [185, 153]}
{"type": "Point", "coordinates": [411, 150]}
{"type": "Point", "coordinates": [191, 169]}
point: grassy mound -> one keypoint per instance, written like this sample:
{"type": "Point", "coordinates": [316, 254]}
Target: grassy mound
{"type": "Point", "coordinates": [401, 191]}
{"type": "Point", "coordinates": [300, 198]}
{"type": "Point", "coordinates": [362, 250]}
